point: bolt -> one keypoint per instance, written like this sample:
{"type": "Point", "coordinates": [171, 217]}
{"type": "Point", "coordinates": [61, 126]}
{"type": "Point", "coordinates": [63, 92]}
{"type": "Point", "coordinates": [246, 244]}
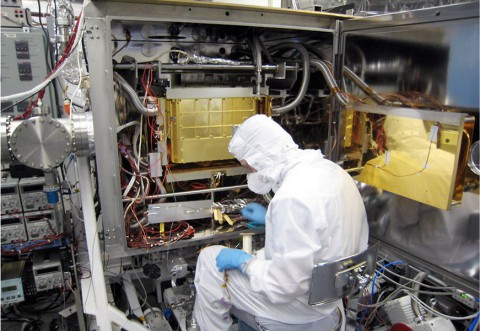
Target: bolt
{"type": "Point", "coordinates": [33, 164]}
{"type": "Point", "coordinates": [98, 37]}
{"type": "Point", "coordinates": [50, 121]}
{"type": "Point", "coordinates": [14, 135]}
{"type": "Point", "coordinates": [57, 125]}
{"type": "Point", "coordinates": [96, 27]}
{"type": "Point", "coordinates": [14, 149]}
{"type": "Point", "coordinates": [41, 120]}
{"type": "Point", "coordinates": [12, 142]}
{"type": "Point", "coordinates": [91, 37]}
{"type": "Point", "coordinates": [63, 131]}
{"type": "Point", "coordinates": [33, 121]}
{"type": "Point", "coordinates": [91, 27]}
{"type": "Point", "coordinates": [68, 144]}
{"type": "Point", "coordinates": [18, 156]}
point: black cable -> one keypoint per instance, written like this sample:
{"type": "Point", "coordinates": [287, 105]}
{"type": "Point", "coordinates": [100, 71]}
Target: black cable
{"type": "Point", "coordinates": [26, 308]}
{"type": "Point", "coordinates": [56, 24]}
{"type": "Point", "coordinates": [64, 215]}
{"type": "Point", "coordinates": [27, 10]}
{"type": "Point", "coordinates": [49, 56]}
{"type": "Point", "coordinates": [84, 54]}
{"type": "Point", "coordinates": [128, 37]}
{"type": "Point", "coordinates": [55, 93]}
{"type": "Point", "coordinates": [50, 308]}
{"type": "Point", "coordinates": [47, 52]}
{"type": "Point", "coordinates": [96, 196]}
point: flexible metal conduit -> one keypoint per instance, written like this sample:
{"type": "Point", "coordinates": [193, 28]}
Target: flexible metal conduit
{"type": "Point", "coordinates": [332, 84]}
{"type": "Point", "coordinates": [415, 288]}
{"type": "Point", "coordinates": [257, 55]}
{"type": "Point", "coordinates": [133, 97]}
{"type": "Point", "coordinates": [305, 80]}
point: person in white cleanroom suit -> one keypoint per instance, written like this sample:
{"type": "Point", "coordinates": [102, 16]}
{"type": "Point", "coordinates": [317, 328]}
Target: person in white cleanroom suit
{"type": "Point", "coordinates": [317, 215]}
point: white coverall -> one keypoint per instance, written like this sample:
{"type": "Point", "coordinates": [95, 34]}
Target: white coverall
{"type": "Point", "coordinates": [317, 215]}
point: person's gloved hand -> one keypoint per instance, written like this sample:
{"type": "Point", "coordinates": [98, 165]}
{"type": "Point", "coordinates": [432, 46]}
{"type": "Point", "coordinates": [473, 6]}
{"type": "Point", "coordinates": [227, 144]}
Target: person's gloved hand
{"type": "Point", "coordinates": [230, 258]}
{"type": "Point", "coordinates": [254, 212]}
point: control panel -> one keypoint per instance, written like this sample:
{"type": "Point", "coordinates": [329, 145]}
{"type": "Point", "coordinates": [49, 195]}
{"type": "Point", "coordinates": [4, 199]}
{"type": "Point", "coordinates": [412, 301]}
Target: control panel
{"type": "Point", "coordinates": [12, 287]}
{"type": "Point", "coordinates": [47, 270]}
{"type": "Point", "coordinates": [40, 224]}
{"type": "Point", "coordinates": [32, 195]}
{"type": "Point", "coordinates": [10, 196]}
{"type": "Point", "coordinates": [23, 61]}
{"type": "Point", "coordinates": [13, 17]}
{"type": "Point", "coordinates": [12, 229]}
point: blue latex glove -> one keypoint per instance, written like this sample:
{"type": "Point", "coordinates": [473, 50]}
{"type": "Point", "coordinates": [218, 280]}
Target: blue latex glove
{"type": "Point", "coordinates": [230, 258]}
{"type": "Point", "coordinates": [254, 212]}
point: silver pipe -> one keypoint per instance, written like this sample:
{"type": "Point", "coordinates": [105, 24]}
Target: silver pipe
{"type": "Point", "coordinates": [306, 77]}
{"type": "Point", "coordinates": [332, 84]}
{"type": "Point", "coordinates": [133, 97]}
{"type": "Point", "coordinates": [174, 67]}
{"type": "Point", "coordinates": [209, 190]}
{"type": "Point", "coordinates": [363, 86]}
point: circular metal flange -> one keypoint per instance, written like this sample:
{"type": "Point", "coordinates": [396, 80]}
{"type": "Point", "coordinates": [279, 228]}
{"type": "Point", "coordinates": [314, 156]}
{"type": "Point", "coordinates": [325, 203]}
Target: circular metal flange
{"type": "Point", "coordinates": [474, 159]}
{"type": "Point", "coordinates": [83, 137]}
{"type": "Point", "coordinates": [40, 142]}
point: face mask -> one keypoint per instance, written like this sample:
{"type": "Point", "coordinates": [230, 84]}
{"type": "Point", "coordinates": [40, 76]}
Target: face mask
{"type": "Point", "coordinates": [259, 183]}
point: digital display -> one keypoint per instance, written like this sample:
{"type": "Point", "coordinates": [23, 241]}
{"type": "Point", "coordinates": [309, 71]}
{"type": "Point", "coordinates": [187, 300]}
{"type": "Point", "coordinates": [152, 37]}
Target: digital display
{"type": "Point", "coordinates": [10, 220]}
{"type": "Point", "coordinates": [33, 188]}
{"type": "Point", "coordinates": [8, 190]}
{"type": "Point", "coordinates": [37, 218]}
{"type": "Point", "coordinates": [9, 288]}
{"type": "Point", "coordinates": [47, 270]}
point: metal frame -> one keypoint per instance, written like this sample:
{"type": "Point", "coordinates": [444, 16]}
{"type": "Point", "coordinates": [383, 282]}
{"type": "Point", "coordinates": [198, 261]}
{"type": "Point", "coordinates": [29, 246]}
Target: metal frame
{"type": "Point", "coordinates": [445, 13]}
{"type": "Point", "coordinates": [98, 18]}
{"type": "Point", "coordinates": [413, 20]}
